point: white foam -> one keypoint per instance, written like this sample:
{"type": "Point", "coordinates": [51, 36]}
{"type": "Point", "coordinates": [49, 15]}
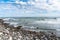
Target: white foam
{"type": "Point", "coordinates": [14, 24]}
{"type": "Point", "coordinates": [6, 22]}
{"type": "Point", "coordinates": [7, 19]}
{"type": "Point", "coordinates": [57, 29]}
{"type": "Point", "coordinates": [32, 27]}
{"type": "Point", "coordinates": [58, 19]}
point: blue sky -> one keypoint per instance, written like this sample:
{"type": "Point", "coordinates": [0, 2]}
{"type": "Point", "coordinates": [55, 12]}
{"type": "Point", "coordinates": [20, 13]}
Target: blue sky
{"type": "Point", "coordinates": [29, 8]}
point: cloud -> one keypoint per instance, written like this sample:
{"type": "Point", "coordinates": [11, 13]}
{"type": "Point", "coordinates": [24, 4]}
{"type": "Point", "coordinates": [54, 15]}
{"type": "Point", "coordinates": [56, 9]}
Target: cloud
{"type": "Point", "coordinates": [32, 8]}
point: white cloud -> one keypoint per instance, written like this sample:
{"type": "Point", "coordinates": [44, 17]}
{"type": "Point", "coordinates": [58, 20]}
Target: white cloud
{"type": "Point", "coordinates": [51, 5]}
{"type": "Point", "coordinates": [33, 8]}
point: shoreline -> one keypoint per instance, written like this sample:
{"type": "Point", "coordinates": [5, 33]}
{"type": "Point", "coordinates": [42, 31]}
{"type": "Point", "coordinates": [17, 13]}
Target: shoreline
{"type": "Point", "coordinates": [19, 33]}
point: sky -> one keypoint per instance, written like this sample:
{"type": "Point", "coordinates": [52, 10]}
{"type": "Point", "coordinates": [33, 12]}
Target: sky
{"type": "Point", "coordinates": [29, 8]}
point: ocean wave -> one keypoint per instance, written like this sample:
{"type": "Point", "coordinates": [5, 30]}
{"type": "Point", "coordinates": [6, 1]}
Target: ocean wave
{"type": "Point", "coordinates": [15, 24]}
{"type": "Point", "coordinates": [57, 29]}
{"type": "Point", "coordinates": [49, 21]}
{"type": "Point", "coordinates": [30, 24]}
{"type": "Point", "coordinates": [8, 19]}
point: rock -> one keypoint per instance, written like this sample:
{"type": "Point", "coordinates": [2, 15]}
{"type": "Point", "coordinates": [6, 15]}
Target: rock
{"type": "Point", "coordinates": [18, 27]}
{"type": "Point", "coordinates": [1, 21]}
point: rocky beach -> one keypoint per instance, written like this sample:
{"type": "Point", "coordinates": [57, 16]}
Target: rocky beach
{"type": "Point", "coordinates": [9, 32]}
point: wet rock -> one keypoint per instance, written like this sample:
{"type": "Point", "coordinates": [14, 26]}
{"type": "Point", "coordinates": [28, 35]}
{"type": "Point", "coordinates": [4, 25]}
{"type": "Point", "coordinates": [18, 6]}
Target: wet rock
{"type": "Point", "coordinates": [19, 27]}
{"type": "Point", "coordinates": [1, 21]}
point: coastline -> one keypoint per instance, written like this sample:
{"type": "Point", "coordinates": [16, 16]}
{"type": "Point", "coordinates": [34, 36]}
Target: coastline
{"type": "Point", "coordinates": [18, 33]}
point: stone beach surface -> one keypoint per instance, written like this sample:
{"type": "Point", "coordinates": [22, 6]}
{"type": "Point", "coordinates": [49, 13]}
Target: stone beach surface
{"type": "Point", "coordinates": [9, 32]}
